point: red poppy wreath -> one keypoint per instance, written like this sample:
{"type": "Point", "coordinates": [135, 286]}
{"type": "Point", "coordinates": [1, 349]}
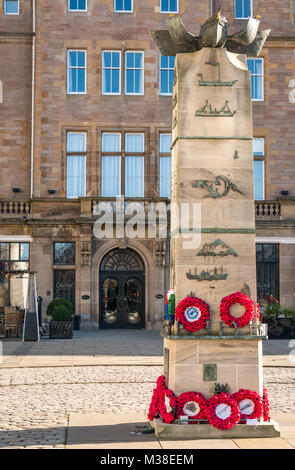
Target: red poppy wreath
{"type": "Point", "coordinates": [154, 405]}
{"type": "Point", "coordinates": [192, 313]}
{"type": "Point", "coordinates": [265, 399]}
{"type": "Point", "coordinates": [250, 404]}
{"type": "Point", "coordinates": [222, 411]}
{"type": "Point", "coordinates": [191, 404]}
{"type": "Point", "coordinates": [236, 298]}
{"type": "Point", "coordinates": [167, 405]}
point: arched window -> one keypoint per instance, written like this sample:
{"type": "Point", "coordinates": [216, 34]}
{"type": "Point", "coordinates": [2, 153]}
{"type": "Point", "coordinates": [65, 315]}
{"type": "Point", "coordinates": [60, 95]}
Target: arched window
{"type": "Point", "coordinates": [122, 260]}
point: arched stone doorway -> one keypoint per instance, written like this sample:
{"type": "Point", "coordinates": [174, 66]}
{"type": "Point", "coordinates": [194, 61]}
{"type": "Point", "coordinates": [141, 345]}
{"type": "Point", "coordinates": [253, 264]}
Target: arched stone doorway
{"type": "Point", "coordinates": [122, 290]}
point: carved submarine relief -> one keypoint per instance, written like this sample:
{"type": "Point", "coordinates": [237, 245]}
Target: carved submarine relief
{"type": "Point", "coordinates": [209, 249]}
{"type": "Point", "coordinates": [217, 82]}
{"type": "Point", "coordinates": [208, 111]}
{"type": "Point", "coordinates": [209, 275]}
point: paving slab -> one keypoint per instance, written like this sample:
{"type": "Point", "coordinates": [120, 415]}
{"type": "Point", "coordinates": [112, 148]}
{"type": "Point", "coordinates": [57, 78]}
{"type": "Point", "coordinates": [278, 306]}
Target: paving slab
{"type": "Point", "coordinates": [274, 443]}
{"type": "Point", "coordinates": [287, 424]}
{"type": "Point", "coordinates": [109, 431]}
{"type": "Point", "coordinates": [200, 444]}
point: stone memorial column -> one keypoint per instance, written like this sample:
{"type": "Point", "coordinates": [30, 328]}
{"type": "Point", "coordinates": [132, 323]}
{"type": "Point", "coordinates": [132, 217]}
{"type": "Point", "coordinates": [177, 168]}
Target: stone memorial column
{"type": "Point", "coordinates": [212, 175]}
{"type": "Point", "coordinates": [212, 164]}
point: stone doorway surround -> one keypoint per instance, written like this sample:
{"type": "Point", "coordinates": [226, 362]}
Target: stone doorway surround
{"type": "Point", "coordinates": [144, 248]}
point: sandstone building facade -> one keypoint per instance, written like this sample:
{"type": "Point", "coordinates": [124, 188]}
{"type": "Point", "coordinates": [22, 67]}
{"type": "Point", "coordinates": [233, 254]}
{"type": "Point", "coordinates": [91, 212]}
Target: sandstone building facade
{"type": "Point", "coordinates": [85, 115]}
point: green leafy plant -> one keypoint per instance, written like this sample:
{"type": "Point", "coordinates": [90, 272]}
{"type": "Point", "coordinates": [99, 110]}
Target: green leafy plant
{"type": "Point", "coordinates": [171, 306]}
{"type": "Point", "coordinates": [61, 313]}
{"type": "Point", "coordinates": [272, 308]}
{"type": "Point", "coordinates": [58, 301]}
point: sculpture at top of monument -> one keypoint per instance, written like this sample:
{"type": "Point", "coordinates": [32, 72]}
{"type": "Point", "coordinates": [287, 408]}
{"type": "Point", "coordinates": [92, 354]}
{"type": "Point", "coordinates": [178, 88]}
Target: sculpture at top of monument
{"type": "Point", "coordinates": [213, 33]}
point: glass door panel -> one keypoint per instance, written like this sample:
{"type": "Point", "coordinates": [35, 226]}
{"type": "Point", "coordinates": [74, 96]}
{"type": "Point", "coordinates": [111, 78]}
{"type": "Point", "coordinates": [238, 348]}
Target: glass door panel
{"type": "Point", "coordinates": [110, 293]}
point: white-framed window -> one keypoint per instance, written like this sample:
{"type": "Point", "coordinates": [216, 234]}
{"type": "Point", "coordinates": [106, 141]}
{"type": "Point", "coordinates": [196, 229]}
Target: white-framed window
{"type": "Point", "coordinates": [123, 6]}
{"type": "Point", "coordinates": [111, 164]}
{"type": "Point", "coordinates": [243, 9]}
{"type": "Point", "coordinates": [259, 158]}
{"type": "Point", "coordinates": [122, 164]}
{"type": "Point", "coordinates": [76, 72]}
{"type": "Point", "coordinates": [165, 165]}
{"type": "Point", "coordinates": [134, 165]}
{"type": "Point", "coordinates": [167, 65]}
{"type": "Point", "coordinates": [76, 164]}
{"type": "Point", "coordinates": [169, 6]}
{"type": "Point", "coordinates": [77, 5]}
{"type": "Point", "coordinates": [111, 72]}
{"type": "Point", "coordinates": [134, 73]}
{"type": "Point", "coordinates": [11, 7]}
{"type": "Point", "coordinates": [256, 67]}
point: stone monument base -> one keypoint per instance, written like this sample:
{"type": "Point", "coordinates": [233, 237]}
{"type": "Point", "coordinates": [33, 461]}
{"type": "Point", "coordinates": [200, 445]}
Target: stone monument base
{"type": "Point", "coordinates": [179, 432]}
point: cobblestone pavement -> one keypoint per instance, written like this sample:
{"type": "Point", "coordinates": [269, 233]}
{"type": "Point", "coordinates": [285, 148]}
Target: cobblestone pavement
{"type": "Point", "coordinates": [35, 402]}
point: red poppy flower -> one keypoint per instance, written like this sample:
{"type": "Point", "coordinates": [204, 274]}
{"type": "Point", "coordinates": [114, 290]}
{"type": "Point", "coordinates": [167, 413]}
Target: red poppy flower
{"type": "Point", "coordinates": [250, 404]}
{"type": "Point", "coordinates": [222, 411]}
{"type": "Point", "coordinates": [192, 313]}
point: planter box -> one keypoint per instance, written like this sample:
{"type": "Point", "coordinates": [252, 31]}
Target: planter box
{"type": "Point", "coordinates": [60, 329]}
{"type": "Point", "coordinates": [280, 328]}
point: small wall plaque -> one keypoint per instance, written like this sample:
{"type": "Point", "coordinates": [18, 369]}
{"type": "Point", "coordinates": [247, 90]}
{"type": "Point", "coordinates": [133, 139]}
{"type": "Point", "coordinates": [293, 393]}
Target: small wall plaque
{"type": "Point", "coordinates": [85, 297]}
{"type": "Point", "coordinates": [159, 296]}
{"type": "Point", "coordinates": [209, 372]}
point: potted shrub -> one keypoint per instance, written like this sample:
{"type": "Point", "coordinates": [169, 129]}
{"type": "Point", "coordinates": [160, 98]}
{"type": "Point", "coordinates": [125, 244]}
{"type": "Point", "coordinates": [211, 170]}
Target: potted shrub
{"type": "Point", "coordinates": [280, 320]}
{"type": "Point", "coordinates": [60, 301]}
{"type": "Point", "coordinates": [61, 325]}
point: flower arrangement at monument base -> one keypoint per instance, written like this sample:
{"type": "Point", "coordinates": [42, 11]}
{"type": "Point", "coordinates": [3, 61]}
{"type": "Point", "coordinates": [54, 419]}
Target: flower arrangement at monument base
{"type": "Point", "coordinates": [167, 405]}
{"type": "Point", "coordinates": [191, 404]}
{"type": "Point", "coordinates": [265, 400]}
{"type": "Point", "coordinates": [223, 410]}
{"type": "Point", "coordinates": [154, 405]}
{"type": "Point", "coordinates": [250, 404]}
{"type": "Point", "coordinates": [192, 313]}
{"type": "Point", "coordinates": [237, 298]}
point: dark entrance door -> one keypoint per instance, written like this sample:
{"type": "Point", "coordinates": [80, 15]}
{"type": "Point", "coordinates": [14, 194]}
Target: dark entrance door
{"type": "Point", "coordinates": [122, 290]}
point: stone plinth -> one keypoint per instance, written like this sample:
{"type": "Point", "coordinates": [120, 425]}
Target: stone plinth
{"type": "Point", "coordinates": [196, 364]}
{"type": "Point", "coordinates": [170, 432]}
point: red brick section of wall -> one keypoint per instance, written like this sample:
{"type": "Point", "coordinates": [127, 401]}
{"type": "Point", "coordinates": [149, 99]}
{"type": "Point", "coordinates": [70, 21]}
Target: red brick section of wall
{"type": "Point", "coordinates": [15, 115]}
{"type": "Point", "coordinates": [98, 29]}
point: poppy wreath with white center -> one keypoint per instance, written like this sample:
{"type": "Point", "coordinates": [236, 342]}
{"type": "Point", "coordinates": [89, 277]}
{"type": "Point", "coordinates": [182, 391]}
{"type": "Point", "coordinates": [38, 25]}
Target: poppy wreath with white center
{"type": "Point", "coordinates": [219, 404]}
{"type": "Point", "coordinates": [191, 404]}
{"type": "Point", "coordinates": [265, 400]}
{"type": "Point", "coordinates": [192, 313]}
{"type": "Point", "coordinates": [167, 397]}
{"type": "Point", "coordinates": [154, 405]}
{"type": "Point", "coordinates": [243, 397]}
{"type": "Point", "coordinates": [236, 298]}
